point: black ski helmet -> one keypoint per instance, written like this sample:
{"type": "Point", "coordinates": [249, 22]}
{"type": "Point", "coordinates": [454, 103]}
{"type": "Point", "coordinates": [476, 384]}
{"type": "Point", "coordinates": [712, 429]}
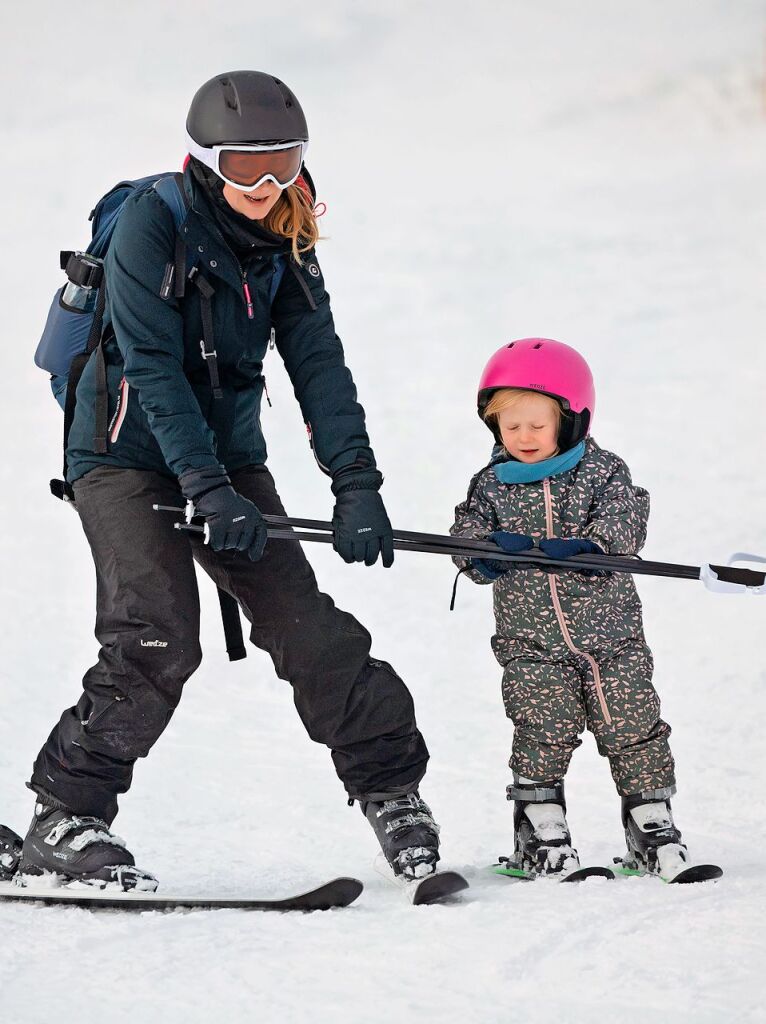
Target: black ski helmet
{"type": "Point", "coordinates": [245, 106]}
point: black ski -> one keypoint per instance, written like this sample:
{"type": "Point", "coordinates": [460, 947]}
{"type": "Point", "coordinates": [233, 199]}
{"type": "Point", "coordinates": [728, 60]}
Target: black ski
{"type": "Point", "coordinates": [340, 892]}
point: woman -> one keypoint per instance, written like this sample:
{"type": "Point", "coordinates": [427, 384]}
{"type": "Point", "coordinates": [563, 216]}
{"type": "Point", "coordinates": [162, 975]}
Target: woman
{"type": "Point", "coordinates": [184, 420]}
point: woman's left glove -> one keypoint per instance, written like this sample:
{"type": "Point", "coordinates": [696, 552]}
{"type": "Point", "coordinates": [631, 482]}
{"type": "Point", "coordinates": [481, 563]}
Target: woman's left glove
{"type": "Point", "coordinates": [361, 527]}
{"type": "Point", "coordinates": [557, 547]}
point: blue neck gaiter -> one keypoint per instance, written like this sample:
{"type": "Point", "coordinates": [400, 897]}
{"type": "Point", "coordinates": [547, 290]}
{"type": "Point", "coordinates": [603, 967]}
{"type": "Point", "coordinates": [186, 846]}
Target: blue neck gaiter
{"type": "Point", "coordinates": [513, 472]}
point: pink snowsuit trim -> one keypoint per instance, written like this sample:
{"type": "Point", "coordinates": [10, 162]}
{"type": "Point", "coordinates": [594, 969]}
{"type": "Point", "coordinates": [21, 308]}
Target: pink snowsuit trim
{"type": "Point", "coordinates": [560, 613]}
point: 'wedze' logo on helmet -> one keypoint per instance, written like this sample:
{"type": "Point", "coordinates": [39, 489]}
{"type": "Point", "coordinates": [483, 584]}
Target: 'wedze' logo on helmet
{"type": "Point", "coordinates": [154, 643]}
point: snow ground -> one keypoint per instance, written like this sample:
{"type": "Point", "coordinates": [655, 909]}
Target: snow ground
{"type": "Point", "coordinates": [592, 172]}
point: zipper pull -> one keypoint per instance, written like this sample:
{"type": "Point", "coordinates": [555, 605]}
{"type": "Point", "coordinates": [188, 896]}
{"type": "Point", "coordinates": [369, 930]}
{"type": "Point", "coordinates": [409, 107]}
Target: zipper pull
{"type": "Point", "coordinates": [248, 300]}
{"type": "Point", "coordinates": [266, 393]}
{"type": "Point", "coordinates": [272, 338]}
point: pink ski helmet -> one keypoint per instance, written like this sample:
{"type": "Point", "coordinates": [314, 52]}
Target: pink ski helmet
{"type": "Point", "coordinates": [551, 367]}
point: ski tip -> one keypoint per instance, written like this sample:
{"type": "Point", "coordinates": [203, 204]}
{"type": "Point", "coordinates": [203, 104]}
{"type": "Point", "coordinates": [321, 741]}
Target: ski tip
{"type": "Point", "coordinates": [346, 889]}
{"type": "Point", "coordinates": [438, 886]}
{"type": "Point", "coordinates": [696, 873]}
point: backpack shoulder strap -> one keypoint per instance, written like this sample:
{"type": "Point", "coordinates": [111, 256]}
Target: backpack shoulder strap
{"type": "Point", "coordinates": [172, 191]}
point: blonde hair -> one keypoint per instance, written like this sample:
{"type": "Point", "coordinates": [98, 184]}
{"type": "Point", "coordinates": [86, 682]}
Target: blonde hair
{"type": "Point", "coordinates": [506, 397]}
{"type": "Point", "coordinates": [292, 216]}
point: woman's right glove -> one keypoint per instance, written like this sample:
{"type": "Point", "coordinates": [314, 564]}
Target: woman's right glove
{"type": "Point", "coordinates": [234, 523]}
{"type": "Point", "coordinates": [513, 543]}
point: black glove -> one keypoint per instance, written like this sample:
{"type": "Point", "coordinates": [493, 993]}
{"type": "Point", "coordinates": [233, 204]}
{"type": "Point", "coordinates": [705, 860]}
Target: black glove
{"type": "Point", "coordinates": [233, 521]}
{"type": "Point", "coordinates": [361, 528]}
{"type": "Point", "coordinates": [492, 568]}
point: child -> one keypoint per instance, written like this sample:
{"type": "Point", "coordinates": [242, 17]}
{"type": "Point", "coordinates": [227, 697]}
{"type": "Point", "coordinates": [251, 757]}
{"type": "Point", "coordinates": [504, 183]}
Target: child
{"type": "Point", "coordinates": [571, 643]}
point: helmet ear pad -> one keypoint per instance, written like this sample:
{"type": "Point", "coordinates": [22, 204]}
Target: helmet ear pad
{"type": "Point", "coordinates": [574, 428]}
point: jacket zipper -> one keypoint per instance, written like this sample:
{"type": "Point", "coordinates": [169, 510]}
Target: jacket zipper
{"type": "Point", "coordinates": [246, 291]}
{"type": "Point", "coordinates": [560, 612]}
{"type": "Point", "coordinates": [321, 465]}
{"type": "Point", "coordinates": [120, 412]}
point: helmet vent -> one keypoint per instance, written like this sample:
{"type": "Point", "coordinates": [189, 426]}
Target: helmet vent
{"type": "Point", "coordinates": [538, 345]}
{"type": "Point", "coordinates": [230, 96]}
{"type": "Point", "coordinates": [511, 345]}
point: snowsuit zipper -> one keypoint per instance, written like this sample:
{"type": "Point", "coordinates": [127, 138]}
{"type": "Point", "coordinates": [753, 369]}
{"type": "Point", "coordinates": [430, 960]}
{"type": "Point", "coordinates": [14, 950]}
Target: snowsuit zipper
{"type": "Point", "coordinates": [560, 613]}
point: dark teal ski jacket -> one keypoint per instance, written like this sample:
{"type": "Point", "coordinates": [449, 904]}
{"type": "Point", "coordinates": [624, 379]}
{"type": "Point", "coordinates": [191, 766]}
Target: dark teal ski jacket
{"type": "Point", "coordinates": [162, 414]}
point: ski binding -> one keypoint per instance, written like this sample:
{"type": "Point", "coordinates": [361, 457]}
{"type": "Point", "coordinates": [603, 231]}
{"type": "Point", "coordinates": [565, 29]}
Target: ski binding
{"type": "Point", "coordinates": [505, 866]}
{"type": "Point", "coordinates": [693, 873]}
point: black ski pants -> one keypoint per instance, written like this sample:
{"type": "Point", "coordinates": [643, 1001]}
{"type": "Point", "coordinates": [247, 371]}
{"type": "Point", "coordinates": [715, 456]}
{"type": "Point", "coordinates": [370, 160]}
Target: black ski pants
{"type": "Point", "coordinates": [148, 626]}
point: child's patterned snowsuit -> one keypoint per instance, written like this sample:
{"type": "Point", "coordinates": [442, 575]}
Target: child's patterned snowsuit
{"type": "Point", "coordinates": [572, 645]}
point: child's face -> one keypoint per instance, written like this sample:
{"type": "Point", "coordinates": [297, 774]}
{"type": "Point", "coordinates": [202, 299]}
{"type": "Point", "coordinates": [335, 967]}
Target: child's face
{"type": "Point", "coordinates": [529, 428]}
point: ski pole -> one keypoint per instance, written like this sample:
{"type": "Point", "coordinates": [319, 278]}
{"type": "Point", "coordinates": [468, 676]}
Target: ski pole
{"type": "Point", "coordinates": [718, 578]}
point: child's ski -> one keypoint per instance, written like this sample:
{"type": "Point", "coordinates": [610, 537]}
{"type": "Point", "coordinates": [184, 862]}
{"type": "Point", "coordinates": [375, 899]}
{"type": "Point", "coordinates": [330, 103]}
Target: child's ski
{"type": "Point", "coordinates": [694, 873]}
{"type": "Point", "coordinates": [432, 888]}
{"type": "Point", "coordinates": [578, 875]}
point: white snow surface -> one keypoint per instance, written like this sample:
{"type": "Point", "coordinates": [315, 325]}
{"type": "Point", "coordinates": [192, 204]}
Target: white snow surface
{"type": "Point", "coordinates": [592, 172]}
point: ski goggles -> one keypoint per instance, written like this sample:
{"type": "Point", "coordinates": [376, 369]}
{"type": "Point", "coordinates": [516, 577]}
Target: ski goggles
{"type": "Point", "coordinates": [247, 167]}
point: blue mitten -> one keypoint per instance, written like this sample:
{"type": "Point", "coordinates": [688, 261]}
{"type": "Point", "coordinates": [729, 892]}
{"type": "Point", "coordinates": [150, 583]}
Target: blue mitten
{"type": "Point", "coordinates": [557, 547]}
{"type": "Point", "coordinates": [511, 542]}
{"type": "Point", "coordinates": [492, 568]}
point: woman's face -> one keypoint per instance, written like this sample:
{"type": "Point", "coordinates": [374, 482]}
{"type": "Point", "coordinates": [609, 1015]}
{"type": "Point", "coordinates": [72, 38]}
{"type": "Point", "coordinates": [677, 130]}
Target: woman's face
{"type": "Point", "coordinates": [529, 428]}
{"type": "Point", "coordinates": [255, 204]}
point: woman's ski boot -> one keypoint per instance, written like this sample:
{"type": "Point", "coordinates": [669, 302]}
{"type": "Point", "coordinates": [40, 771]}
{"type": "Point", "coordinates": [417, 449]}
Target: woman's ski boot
{"type": "Point", "coordinates": [543, 845]}
{"type": "Point", "coordinates": [82, 849]}
{"type": "Point", "coordinates": [407, 833]}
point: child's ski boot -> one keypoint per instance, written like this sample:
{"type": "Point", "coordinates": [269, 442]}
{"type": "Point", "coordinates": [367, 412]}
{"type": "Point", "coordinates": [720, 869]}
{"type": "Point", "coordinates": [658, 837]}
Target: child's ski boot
{"type": "Point", "coordinates": [10, 853]}
{"type": "Point", "coordinates": [654, 842]}
{"type": "Point", "coordinates": [543, 845]}
{"type": "Point", "coordinates": [407, 833]}
{"type": "Point", "coordinates": [82, 849]}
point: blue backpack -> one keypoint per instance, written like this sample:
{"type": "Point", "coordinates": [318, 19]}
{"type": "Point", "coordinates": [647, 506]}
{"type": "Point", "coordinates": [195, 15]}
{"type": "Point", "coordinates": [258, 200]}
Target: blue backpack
{"type": "Point", "coordinates": [75, 318]}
